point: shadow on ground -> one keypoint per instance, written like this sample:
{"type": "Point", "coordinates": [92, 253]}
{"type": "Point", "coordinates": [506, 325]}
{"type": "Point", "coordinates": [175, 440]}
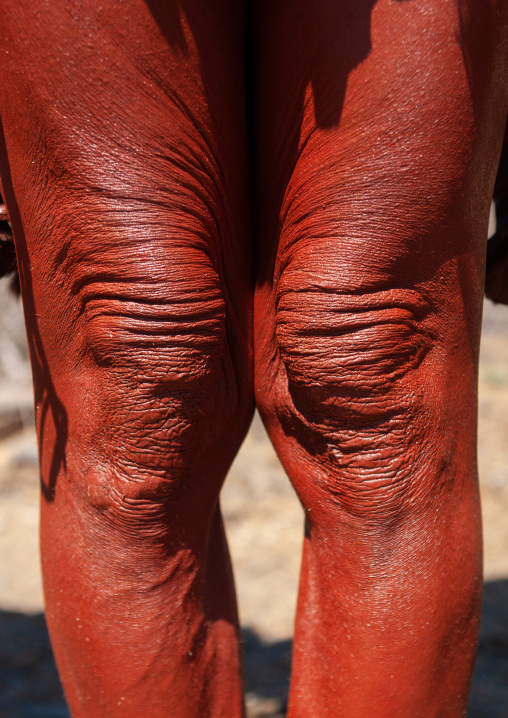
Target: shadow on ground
{"type": "Point", "coordinates": [489, 696]}
{"type": "Point", "coordinates": [267, 668]}
{"type": "Point", "coordinates": [29, 685]}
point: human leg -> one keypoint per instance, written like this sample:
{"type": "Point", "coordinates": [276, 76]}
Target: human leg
{"type": "Point", "coordinates": [124, 168]}
{"type": "Point", "coordinates": [379, 129]}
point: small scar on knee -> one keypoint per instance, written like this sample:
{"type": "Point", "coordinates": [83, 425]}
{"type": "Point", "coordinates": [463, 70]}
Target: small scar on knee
{"type": "Point", "coordinates": [108, 491]}
{"type": "Point", "coordinates": [98, 490]}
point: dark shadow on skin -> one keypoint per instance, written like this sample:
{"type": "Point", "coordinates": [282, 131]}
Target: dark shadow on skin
{"type": "Point", "coordinates": [477, 33]}
{"type": "Point", "coordinates": [204, 23]}
{"type": "Point", "coordinates": [334, 62]}
{"type": "Point", "coordinates": [30, 688]}
{"type": "Point", "coordinates": [322, 56]}
{"type": "Point", "coordinates": [324, 63]}
{"type": "Point", "coordinates": [339, 52]}
{"type": "Point", "coordinates": [167, 16]}
{"type": "Point", "coordinates": [46, 397]}
{"type": "Point", "coordinates": [338, 40]}
{"type": "Point", "coordinates": [478, 22]}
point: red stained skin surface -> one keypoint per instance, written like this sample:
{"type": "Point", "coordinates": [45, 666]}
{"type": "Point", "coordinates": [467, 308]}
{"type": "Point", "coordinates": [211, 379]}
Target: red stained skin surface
{"type": "Point", "coordinates": [132, 173]}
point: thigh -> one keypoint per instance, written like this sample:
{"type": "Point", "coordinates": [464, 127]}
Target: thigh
{"type": "Point", "coordinates": [125, 171]}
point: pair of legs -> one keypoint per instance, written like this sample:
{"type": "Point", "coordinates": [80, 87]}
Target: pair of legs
{"type": "Point", "coordinates": [129, 162]}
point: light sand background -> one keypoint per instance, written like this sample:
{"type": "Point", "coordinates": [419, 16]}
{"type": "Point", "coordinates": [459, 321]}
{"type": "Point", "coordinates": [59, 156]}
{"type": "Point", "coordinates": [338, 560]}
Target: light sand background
{"type": "Point", "coordinates": [264, 524]}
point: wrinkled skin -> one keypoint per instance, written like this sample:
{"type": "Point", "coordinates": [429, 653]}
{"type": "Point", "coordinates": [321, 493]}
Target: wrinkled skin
{"type": "Point", "coordinates": [129, 164]}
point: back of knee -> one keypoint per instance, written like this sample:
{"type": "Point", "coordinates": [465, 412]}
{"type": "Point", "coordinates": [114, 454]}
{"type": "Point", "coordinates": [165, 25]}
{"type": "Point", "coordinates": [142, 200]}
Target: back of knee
{"type": "Point", "coordinates": [356, 404]}
{"type": "Point", "coordinates": [351, 354]}
{"type": "Point", "coordinates": [159, 391]}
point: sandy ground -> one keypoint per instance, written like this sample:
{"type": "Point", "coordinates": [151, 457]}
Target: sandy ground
{"type": "Point", "coordinates": [264, 524]}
